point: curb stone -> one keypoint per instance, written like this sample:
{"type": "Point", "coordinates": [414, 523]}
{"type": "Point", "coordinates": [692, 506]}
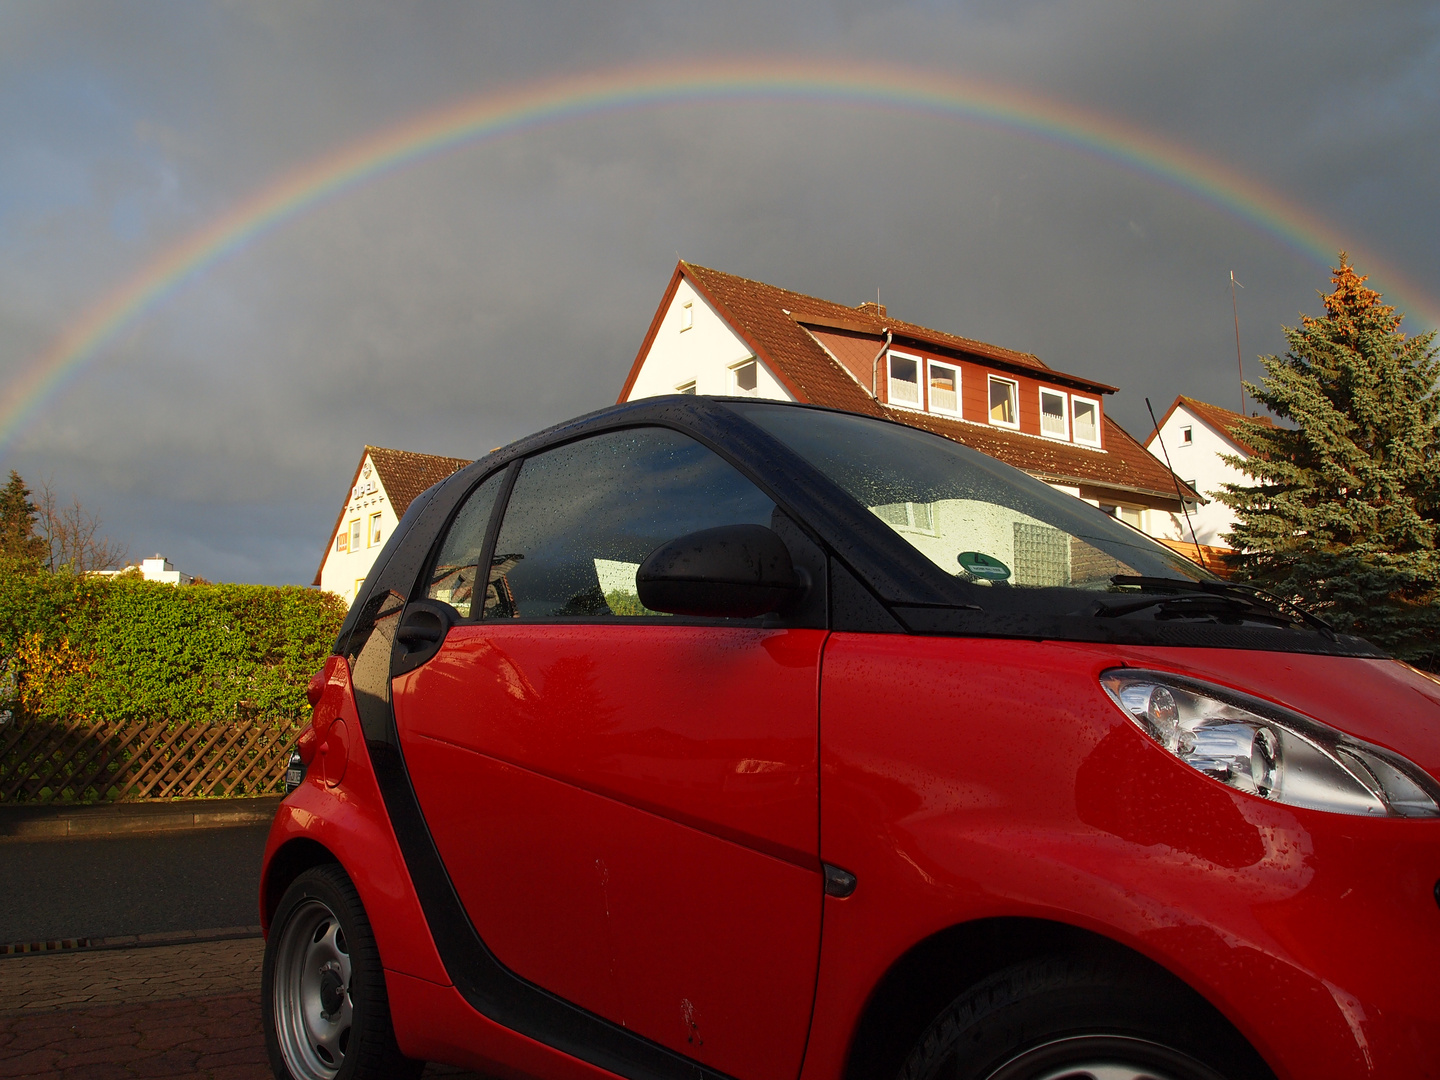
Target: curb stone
{"type": "Point", "coordinates": [130, 941]}
{"type": "Point", "coordinates": [65, 822]}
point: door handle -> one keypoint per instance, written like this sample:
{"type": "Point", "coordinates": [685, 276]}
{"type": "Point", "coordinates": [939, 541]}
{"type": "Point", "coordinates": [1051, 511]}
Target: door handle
{"type": "Point", "coordinates": [409, 632]}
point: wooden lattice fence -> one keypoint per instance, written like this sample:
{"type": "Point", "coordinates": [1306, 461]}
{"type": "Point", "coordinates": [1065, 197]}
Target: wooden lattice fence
{"type": "Point", "coordinates": [45, 761]}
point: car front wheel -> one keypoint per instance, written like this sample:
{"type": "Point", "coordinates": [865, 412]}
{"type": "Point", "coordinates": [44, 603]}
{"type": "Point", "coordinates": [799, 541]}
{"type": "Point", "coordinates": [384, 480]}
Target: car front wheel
{"type": "Point", "coordinates": [1076, 1018]}
{"type": "Point", "coordinates": [325, 1010]}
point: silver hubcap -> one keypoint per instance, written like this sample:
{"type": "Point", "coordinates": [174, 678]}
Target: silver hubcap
{"type": "Point", "coordinates": [1101, 1072]}
{"type": "Point", "coordinates": [1102, 1057]}
{"type": "Point", "coordinates": [312, 1004]}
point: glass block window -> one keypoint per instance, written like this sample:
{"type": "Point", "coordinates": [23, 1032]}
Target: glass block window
{"type": "Point", "coordinates": [1042, 555]}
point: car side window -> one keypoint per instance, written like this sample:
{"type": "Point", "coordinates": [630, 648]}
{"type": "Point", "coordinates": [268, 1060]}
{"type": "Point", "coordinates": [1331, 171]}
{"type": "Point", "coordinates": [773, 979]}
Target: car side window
{"type": "Point", "coordinates": [582, 517]}
{"type": "Point", "coordinates": [452, 580]}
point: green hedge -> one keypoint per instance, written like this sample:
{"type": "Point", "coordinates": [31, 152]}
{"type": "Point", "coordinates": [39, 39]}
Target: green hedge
{"type": "Point", "coordinates": [108, 650]}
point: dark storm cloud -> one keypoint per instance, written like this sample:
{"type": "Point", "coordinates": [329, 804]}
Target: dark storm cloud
{"type": "Point", "coordinates": [473, 297]}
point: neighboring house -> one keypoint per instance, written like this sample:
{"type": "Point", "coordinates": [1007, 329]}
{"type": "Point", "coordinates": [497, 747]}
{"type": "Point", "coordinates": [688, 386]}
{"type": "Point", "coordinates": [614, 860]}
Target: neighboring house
{"type": "Point", "coordinates": [157, 569]}
{"type": "Point", "coordinates": [1196, 434]}
{"type": "Point", "coordinates": [715, 333]}
{"type": "Point", "coordinates": [385, 483]}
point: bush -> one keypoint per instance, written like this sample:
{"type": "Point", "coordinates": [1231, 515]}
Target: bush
{"type": "Point", "coordinates": [109, 650]}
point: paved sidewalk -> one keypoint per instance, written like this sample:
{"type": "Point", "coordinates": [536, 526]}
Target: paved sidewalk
{"type": "Point", "coordinates": [47, 981]}
{"type": "Point", "coordinates": [189, 1010]}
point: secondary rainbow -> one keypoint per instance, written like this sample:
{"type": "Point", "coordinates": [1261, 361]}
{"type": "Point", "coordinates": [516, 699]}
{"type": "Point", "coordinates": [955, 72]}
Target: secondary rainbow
{"type": "Point", "coordinates": [838, 84]}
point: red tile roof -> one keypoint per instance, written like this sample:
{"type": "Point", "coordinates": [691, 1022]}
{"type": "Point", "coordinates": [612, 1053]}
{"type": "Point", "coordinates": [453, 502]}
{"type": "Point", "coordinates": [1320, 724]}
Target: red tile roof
{"type": "Point", "coordinates": [1224, 421]}
{"type": "Point", "coordinates": [785, 330]}
{"type": "Point", "coordinates": [403, 474]}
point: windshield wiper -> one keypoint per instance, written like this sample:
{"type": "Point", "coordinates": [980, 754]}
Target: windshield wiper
{"type": "Point", "coordinates": [1222, 596]}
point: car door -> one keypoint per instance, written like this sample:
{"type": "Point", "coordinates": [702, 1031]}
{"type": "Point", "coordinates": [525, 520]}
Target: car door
{"type": "Point", "coordinates": [626, 803]}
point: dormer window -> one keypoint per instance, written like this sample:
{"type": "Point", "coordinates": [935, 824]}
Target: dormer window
{"type": "Point", "coordinates": [904, 380]}
{"type": "Point", "coordinates": [687, 317]}
{"type": "Point", "coordinates": [1004, 402]}
{"type": "Point", "coordinates": [944, 388]}
{"type": "Point", "coordinates": [746, 378]}
{"type": "Point", "coordinates": [1054, 414]}
{"type": "Point", "coordinates": [1085, 420]}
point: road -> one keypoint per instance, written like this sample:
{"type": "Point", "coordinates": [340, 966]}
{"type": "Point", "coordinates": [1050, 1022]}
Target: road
{"type": "Point", "coordinates": [200, 879]}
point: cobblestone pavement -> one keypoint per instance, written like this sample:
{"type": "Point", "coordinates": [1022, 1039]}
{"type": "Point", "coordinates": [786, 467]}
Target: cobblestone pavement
{"type": "Point", "coordinates": [188, 1010]}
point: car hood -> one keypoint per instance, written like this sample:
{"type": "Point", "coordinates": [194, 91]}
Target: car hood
{"type": "Point", "coordinates": [1381, 701]}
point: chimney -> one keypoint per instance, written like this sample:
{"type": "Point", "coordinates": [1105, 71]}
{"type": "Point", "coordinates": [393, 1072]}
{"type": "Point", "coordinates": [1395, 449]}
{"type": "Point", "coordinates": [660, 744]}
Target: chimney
{"type": "Point", "coordinates": [870, 307]}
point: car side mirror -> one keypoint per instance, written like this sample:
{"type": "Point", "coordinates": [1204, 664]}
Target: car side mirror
{"type": "Point", "coordinates": [735, 571]}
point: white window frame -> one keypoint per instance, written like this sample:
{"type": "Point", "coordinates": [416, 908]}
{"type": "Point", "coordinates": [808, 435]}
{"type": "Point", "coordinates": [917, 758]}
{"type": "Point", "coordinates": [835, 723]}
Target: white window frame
{"type": "Point", "coordinates": [687, 387]}
{"type": "Point", "coordinates": [1187, 435]}
{"type": "Point", "coordinates": [959, 399]}
{"type": "Point", "coordinates": [372, 529]}
{"type": "Point", "coordinates": [735, 377]}
{"type": "Point", "coordinates": [1014, 396]}
{"type": "Point", "coordinates": [687, 316]}
{"type": "Point", "coordinates": [355, 533]}
{"type": "Point", "coordinates": [1099, 420]}
{"type": "Point", "coordinates": [919, 405]}
{"type": "Point", "coordinates": [1064, 413]}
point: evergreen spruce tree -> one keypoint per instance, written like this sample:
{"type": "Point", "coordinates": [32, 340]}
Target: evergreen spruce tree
{"type": "Point", "coordinates": [20, 548]}
{"type": "Point", "coordinates": [1344, 516]}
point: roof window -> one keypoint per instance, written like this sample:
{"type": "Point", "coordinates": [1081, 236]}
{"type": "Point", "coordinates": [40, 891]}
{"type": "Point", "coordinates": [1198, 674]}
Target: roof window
{"type": "Point", "coordinates": [904, 388]}
{"type": "Point", "coordinates": [1085, 420]}
{"type": "Point", "coordinates": [1004, 403]}
{"type": "Point", "coordinates": [1054, 416]}
{"type": "Point", "coordinates": [944, 388]}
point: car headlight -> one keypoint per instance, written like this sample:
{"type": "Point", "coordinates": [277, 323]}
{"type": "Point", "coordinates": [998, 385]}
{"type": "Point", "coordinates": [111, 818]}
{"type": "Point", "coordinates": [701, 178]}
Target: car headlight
{"type": "Point", "coordinates": [1262, 749]}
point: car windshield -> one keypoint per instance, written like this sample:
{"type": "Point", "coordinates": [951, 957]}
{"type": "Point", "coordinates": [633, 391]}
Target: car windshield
{"type": "Point", "coordinates": [975, 517]}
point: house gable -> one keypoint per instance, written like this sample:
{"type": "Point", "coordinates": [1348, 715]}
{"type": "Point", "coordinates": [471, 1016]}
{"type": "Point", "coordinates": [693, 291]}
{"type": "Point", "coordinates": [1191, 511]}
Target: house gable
{"type": "Point", "coordinates": [1196, 436]}
{"type": "Point", "coordinates": [692, 347]}
{"type": "Point", "coordinates": [384, 485]}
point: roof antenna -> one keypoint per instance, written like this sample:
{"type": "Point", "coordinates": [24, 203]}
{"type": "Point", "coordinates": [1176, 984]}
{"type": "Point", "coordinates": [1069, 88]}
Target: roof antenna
{"type": "Point", "coordinates": [1183, 508]}
{"type": "Point", "coordinates": [1235, 310]}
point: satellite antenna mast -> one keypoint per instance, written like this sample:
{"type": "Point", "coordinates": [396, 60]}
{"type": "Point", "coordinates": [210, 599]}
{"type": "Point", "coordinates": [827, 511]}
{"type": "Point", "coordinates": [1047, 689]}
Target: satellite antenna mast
{"type": "Point", "coordinates": [1239, 364]}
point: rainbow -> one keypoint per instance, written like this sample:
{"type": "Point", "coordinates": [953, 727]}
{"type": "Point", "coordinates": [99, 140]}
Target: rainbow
{"type": "Point", "coordinates": [840, 84]}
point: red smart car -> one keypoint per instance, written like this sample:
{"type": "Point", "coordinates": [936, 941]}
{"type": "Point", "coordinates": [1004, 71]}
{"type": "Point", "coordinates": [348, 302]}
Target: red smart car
{"type": "Point", "coordinates": [704, 738]}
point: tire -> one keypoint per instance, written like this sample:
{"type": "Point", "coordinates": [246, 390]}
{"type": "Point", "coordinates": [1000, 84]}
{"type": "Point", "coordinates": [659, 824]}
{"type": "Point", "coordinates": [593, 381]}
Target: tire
{"type": "Point", "coordinates": [1079, 1018]}
{"type": "Point", "coordinates": [322, 990]}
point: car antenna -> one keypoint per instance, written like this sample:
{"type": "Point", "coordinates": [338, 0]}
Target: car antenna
{"type": "Point", "coordinates": [1239, 364]}
{"type": "Point", "coordinates": [1183, 508]}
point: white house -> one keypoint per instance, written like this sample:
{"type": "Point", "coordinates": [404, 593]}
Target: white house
{"type": "Point", "coordinates": [1196, 434]}
{"type": "Point", "coordinates": [158, 569]}
{"type": "Point", "coordinates": [715, 333]}
{"type": "Point", "coordinates": [385, 484]}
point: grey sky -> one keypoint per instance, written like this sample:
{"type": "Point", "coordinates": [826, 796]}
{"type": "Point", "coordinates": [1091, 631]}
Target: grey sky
{"type": "Point", "coordinates": [477, 295]}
